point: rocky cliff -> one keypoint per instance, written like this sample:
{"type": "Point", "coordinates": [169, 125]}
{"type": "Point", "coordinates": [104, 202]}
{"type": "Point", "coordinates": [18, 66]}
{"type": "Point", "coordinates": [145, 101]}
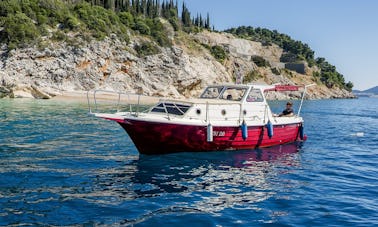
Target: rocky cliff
{"type": "Point", "coordinates": [180, 70]}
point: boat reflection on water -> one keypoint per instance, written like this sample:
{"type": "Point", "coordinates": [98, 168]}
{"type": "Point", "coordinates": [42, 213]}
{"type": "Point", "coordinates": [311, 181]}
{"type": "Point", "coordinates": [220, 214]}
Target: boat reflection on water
{"type": "Point", "coordinates": [268, 154]}
{"type": "Point", "coordinates": [201, 182]}
{"type": "Point", "coordinates": [187, 172]}
{"type": "Point", "coordinates": [166, 172]}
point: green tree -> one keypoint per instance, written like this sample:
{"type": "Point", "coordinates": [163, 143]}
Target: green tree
{"type": "Point", "coordinates": [19, 29]}
{"type": "Point", "coordinates": [141, 26]}
{"type": "Point", "coordinates": [185, 16]}
{"type": "Point", "coordinates": [207, 23]}
{"type": "Point", "coordinates": [126, 18]}
{"type": "Point", "coordinates": [349, 86]}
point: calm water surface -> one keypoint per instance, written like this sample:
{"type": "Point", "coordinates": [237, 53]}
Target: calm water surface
{"type": "Point", "coordinates": [61, 167]}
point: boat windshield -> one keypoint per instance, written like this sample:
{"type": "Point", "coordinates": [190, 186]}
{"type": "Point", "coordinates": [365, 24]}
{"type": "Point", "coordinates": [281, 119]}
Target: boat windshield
{"type": "Point", "coordinates": [255, 96]}
{"type": "Point", "coordinates": [211, 92]}
{"type": "Point", "coordinates": [224, 92]}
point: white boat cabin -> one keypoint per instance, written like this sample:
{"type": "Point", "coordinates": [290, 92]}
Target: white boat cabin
{"type": "Point", "coordinates": [219, 104]}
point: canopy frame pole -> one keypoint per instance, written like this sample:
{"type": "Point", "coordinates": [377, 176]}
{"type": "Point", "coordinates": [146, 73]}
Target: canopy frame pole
{"type": "Point", "coordinates": [303, 95]}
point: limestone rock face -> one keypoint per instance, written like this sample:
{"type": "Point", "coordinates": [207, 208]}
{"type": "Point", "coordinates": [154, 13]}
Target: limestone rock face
{"type": "Point", "coordinates": [178, 71]}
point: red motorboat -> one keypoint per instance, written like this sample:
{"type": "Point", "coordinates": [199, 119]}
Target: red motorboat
{"type": "Point", "coordinates": [224, 117]}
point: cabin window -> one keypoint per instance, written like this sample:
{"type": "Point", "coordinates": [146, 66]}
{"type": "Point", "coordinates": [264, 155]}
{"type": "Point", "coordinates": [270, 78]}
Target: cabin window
{"type": "Point", "coordinates": [211, 93]}
{"type": "Point", "coordinates": [255, 96]}
{"type": "Point", "coordinates": [234, 94]}
{"type": "Point", "coordinates": [171, 108]}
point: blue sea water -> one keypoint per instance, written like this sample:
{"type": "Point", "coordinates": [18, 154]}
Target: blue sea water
{"type": "Point", "coordinates": [61, 167]}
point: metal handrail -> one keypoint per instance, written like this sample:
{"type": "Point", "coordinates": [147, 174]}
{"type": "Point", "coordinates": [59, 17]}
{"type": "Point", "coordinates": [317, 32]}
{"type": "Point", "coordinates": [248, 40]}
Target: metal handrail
{"type": "Point", "coordinates": [89, 106]}
{"type": "Point", "coordinates": [135, 102]}
{"type": "Point", "coordinates": [119, 94]}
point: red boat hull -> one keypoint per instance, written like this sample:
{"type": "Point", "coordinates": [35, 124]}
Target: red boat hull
{"type": "Point", "coordinates": [158, 138]}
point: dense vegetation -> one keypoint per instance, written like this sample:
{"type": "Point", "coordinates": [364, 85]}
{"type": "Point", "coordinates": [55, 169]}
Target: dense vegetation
{"type": "Point", "coordinates": [25, 22]}
{"type": "Point", "coordinates": [295, 51]}
{"type": "Point", "coordinates": [29, 22]}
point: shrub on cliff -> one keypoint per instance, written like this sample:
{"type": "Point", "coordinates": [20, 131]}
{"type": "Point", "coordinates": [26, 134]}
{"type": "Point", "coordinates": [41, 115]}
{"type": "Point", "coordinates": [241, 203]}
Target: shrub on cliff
{"type": "Point", "coordinates": [146, 48]}
{"type": "Point", "coordinates": [252, 76]}
{"type": "Point", "coordinates": [260, 61]}
{"type": "Point", "coordinates": [71, 23]}
{"type": "Point", "coordinates": [141, 26]}
{"type": "Point", "coordinates": [158, 32]}
{"type": "Point", "coordinates": [218, 53]}
{"type": "Point", "coordinates": [19, 29]}
{"type": "Point", "coordinates": [126, 18]}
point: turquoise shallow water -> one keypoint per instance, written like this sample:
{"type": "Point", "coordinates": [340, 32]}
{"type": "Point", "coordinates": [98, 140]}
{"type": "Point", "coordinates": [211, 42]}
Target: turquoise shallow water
{"type": "Point", "coordinates": [61, 167]}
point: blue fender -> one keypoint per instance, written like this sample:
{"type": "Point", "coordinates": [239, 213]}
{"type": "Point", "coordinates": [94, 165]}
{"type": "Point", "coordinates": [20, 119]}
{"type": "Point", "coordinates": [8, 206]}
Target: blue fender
{"type": "Point", "coordinates": [244, 130]}
{"type": "Point", "coordinates": [301, 132]}
{"type": "Point", "coordinates": [209, 133]}
{"type": "Point", "coordinates": [269, 126]}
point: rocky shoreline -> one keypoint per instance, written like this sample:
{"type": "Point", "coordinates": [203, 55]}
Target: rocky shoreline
{"type": "Point", "coordinates": [178, 71]}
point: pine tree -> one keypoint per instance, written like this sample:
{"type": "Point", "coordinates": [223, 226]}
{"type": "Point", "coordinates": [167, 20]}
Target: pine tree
{"type": "Point", "coordinates": [176, 7]}
{"type": "Point", "coordinates": [197, 23]}
{"type": "Point", "coordinates": [185, 16]}
{"type": "Point", "coordinates": [133, 7]}
{"type": "Point", "coordinates": [163, 10]}
{"type": "Point", "coordinates": [157, 9]}
{"type": "Point", "coordinates": [143, 7]}
{"type": "Point", "coordinates": [207, 24]}
{"type": "Point", "coordinates": [137, 8]}
{"type": "Point", "coordinates": [126, 6]}
{"type": "Point", "coordinates": [109, 4]}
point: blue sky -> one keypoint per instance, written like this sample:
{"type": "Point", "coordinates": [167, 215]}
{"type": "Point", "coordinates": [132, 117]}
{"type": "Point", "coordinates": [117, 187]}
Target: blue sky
{"type": "Point", "coordinates": [344, 32]}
